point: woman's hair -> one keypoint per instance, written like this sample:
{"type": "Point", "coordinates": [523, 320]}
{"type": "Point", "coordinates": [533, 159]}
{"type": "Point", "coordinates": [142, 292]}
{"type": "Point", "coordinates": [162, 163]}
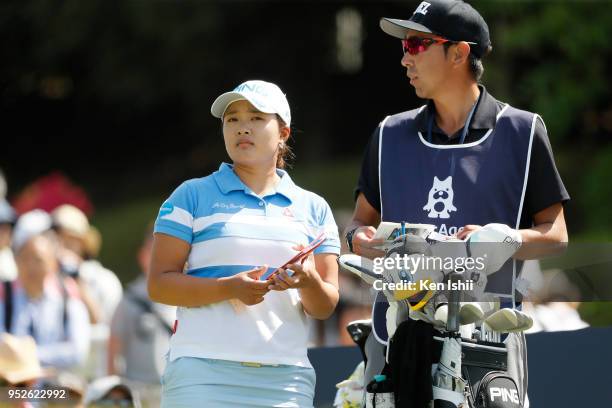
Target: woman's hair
{"type": "Point", "coordinates": [284, 151]}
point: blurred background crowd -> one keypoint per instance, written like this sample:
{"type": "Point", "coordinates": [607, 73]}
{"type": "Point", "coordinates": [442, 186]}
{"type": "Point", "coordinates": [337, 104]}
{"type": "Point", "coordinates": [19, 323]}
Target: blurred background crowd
{"type": "Point", "coordinates": [105, 110]}
{"type": "Point", "coordinates": [67, 321]}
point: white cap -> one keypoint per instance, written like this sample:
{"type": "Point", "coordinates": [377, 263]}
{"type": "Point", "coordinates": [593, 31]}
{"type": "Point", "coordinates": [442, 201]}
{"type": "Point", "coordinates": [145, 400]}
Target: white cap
{"type": "Point", "coordinates": [30, 224]}
{"type": "Point", "coordinates": [99, 387]}
{"type": "Point", "coordinates": [265, 96]}
{"type": "Point", "coordinates": [71, 219]}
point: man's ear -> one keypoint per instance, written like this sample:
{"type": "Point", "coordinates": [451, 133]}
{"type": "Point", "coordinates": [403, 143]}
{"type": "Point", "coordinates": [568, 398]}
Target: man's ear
{"type": "Point", "coordinates": [460, 53]}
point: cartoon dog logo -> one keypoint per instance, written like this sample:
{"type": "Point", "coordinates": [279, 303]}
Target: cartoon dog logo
{"type": "Point", "coordinates": [440, 202]}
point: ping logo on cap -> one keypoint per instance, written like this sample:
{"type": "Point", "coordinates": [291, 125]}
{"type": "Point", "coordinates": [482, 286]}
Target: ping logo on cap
{"type": "Point", "coordinates": [254, 87]}
{"type": "Point", "coordinates": [264, 96]}
{"type": "Point", "coordinates": [422, 9]}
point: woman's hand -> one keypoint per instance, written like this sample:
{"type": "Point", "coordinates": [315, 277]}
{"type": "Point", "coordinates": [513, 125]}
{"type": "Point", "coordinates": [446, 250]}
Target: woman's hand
{"type": "Point", "coordinates": [303, 274]}
{"type": "Point", "coordinates": [246, 286]}
{"type": "Point", "coordinates": [317, 280]}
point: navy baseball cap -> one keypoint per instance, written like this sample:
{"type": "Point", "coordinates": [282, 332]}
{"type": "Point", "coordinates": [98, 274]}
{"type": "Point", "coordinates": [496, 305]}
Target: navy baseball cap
{"type": "Point", "coordinates": [454, 20]}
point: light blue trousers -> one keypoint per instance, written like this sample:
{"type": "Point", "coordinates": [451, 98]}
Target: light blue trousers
{"type": "Point", "coordinates": [201, 382]}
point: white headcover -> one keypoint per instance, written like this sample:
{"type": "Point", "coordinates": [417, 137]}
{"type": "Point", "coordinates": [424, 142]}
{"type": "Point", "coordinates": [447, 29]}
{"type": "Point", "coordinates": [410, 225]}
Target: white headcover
{"type": "Point", "coordinates": [496, 243]}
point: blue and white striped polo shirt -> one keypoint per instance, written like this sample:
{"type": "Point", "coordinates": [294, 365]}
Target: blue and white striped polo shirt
{"type": "Point", "coordinates": [232, 230]}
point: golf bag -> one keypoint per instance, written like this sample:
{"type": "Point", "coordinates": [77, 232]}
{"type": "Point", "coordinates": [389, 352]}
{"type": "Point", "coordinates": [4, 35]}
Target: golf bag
{"type": "Point", "coordinates": [415, 359]}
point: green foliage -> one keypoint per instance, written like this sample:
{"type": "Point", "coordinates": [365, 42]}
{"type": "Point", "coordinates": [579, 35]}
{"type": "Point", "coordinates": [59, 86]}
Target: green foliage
{"type": "Point", "coordinates": [597, 190]}
{"type": "Point", "coordinates": [555, 58]}
{"type": "Point", "coordinates": [118, 52]}
{"type": "Point", "coordinates": [123, 228]}
{"type": "Point", "coordinates": [334, 180]}
{"type": "Point", "coordinates": [596, 313]}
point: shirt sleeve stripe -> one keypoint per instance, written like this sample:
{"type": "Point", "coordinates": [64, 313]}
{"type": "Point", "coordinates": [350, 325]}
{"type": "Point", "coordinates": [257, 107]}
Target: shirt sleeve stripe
{"type": "Point", "coordinates": [179, 216]}
{"type": "Point", "coordinates": [174, 229]}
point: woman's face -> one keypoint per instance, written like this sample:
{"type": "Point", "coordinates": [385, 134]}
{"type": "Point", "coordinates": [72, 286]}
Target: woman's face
{"type": "Point", "coordinates": [252, 137]}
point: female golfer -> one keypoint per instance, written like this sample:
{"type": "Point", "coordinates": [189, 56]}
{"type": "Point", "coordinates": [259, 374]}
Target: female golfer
{"type": "Point", "coordinates": [240, 335]}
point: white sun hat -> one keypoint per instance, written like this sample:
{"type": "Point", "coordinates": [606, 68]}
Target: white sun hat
{"type": "Point", "coordinates": [71, 219]}
{"type": "Point", "coordinates": [19, 359]}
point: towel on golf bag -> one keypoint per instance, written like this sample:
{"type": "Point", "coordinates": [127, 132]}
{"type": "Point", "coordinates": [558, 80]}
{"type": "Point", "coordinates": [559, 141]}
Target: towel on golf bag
{"type": "Point", "coordinates": [410, 360]}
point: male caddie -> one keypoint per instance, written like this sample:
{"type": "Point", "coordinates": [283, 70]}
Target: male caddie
{"type": "Point", "coordinates": [462, 160]}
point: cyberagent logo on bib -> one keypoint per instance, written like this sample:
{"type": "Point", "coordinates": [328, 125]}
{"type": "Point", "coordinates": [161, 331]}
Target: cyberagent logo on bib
{"type": "Point", "coordinates": [440, 201]}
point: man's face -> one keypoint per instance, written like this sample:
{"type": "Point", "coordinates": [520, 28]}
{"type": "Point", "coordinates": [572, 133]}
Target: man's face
{"type": "Point", "coordinates": [71, 242]}
{"type": "Point", "coordinates": [428, 70]}
{"type": "Point", "coordinates": [36, 260]}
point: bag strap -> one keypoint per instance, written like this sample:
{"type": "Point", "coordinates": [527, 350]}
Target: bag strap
{"type": "Point", "coordinates": [62, 284]}
{"type": "Point", "coordinates": [147, 306]}
{"type": "Point", "coordinates": [8, 305]}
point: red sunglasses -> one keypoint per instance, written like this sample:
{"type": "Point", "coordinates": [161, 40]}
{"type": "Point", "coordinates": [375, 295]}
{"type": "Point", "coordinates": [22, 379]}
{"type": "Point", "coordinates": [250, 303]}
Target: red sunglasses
{"type": "Point", "coordinates": [416, 45]}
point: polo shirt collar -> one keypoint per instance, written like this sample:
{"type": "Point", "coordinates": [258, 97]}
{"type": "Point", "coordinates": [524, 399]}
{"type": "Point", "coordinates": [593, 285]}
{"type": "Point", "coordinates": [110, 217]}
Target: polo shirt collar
{"type": "Point", "coordinates": [286, 186]}
{"type": "Point", "coordinates": [228, 181]}
{"type": "Point", "coordinates": [485, 115]}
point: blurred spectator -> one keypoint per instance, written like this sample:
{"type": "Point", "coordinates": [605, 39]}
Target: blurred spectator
{"type": "Point", "coordinates": [19, 365]}
{"type": "Point", "coordinates": [111, 392]}
{"type": "Point", "coordinates": [100, 287]}
{"type": "Point", "coordinates": [8, 269]}
{"type": "Point", "coordinates": [41, 302]}
{"type": "Point", "coordinates": [73, 385]}
{"type": "Point", "coordinates": [554, 302]}
{"type": "Point", "coordinates": [554, 316]}
{"type": "Point", "coordinates": [356, 297]}
{"type": "Point", "coordinates": [141, 329]}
